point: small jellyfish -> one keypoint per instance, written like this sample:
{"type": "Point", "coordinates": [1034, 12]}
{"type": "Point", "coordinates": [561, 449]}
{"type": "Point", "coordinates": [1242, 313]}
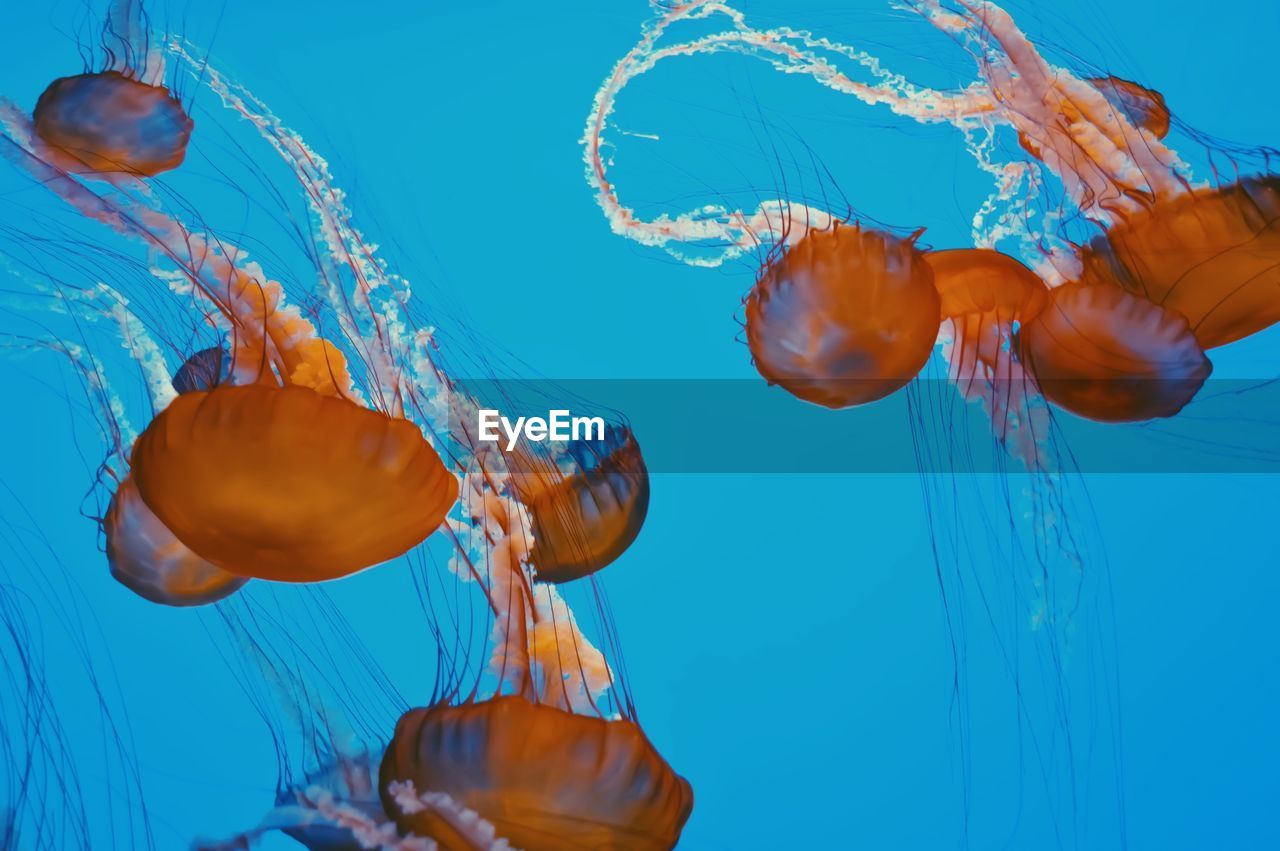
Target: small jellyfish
{"type": "Point", "coordinates": [1141, 107]}
{"type": "Point", "coordinates": [545, 779]}
{"type": "Point", "coordinates": [986, 297]}
{"type": "Point", "coordinates": [588, 510]}
{"type": "Point", "coordinates": [1212, 255]}
{"type": "Point", "coordinates": [290, 485]}
{"type": "Point", "coordinates": [1112, 356]}
{"type": "Point", "coordinates": [146, 558]}
{"type": "Point", "coordinates": [984, 293]}
{"type": "Point", "coordinates": [109, 122]}
{"type": "Point", "coordinates": [204, 370]}
{"type": "Point", "coordinates": [844, 317]}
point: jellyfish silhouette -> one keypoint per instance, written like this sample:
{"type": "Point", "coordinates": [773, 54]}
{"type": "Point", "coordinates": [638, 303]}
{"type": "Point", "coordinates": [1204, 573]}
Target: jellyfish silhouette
{"type": "Point", "coordinates": [204, 370]}
{"type": "Point", "coordinates": [147, 558]}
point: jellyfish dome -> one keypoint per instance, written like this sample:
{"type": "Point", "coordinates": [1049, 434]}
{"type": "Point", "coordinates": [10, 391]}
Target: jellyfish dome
{"type": "Point", "coordinates": [546, 779]}
{"type": "Point", "coordinates": [586, 511]}
{"type": "Point", "coordinates": [845, 316]}
{"type": "Point", "coordinates": [1143, 107]}
{"type": "Point", "coordinates": [290, 485]}
{"type": "Point", "coordinates": [1209, 254]}
{"type": "Point", "coordinates": [146, 558]}
{"type": "Point", "coordinates": [985, 281]}
{"type": "Point", "coordinates": [1138, 105]}
{"type": "Point", "coordinates": [204, 370]}
{"type": "Point", "coordinates": [1112, 356]}
{"type": "Point", "coordinates": [108, 122]}
{"type": "Point", "coordinates": [982, 294]}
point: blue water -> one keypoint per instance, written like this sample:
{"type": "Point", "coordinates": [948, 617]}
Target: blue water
{"type": "Point", "coordinates": [784, 635]}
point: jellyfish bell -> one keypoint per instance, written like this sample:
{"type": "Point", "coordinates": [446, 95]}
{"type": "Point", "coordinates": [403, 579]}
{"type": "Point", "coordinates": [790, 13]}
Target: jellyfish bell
{"type": "Point", "coordinates": [108, 122]}
{"type": "Point", "coordinates": [984, 294]}
{"type": "Point", "coordinates": [204, 370]}
{"type": "Point", "coordinates": [985, 297]}
{"type": "Point", "coordinates": [1108, 355]}
{"type": "Point", "coordinates": [546, 779]}
{"type": "Point", "coordinates": [290, 485]}
{"type": "Point", "coordinates": [1212, 255]}
{"type": "Point", "coordinates": [588, 509]}
{"type": "Point", "coordinates": [845, 316]}
{"type": "Point", "coordinates": [145, 557]}
{"type": "Point", "coordinates": [1143, 107]}
{"type": "Point", "coordinates": [985, 281]}
{"type": "Point", "coordinates": [1140, 106]}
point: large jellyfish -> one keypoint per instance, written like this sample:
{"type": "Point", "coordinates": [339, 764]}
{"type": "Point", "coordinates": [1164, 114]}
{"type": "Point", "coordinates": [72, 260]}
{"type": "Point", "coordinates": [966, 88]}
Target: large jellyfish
{"type": "Point", "coordinates": [613, 789]}
{"type": "Point", "coordinates": [288, 484]}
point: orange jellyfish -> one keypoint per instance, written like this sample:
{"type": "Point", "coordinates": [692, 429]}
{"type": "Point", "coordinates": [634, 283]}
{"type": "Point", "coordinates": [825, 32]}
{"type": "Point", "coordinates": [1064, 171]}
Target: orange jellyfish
{"type": "Point", "coordinates": [290, 485]}
{"type": "Point", "coordinates": [844, 317]}
{"type": "Point", "coordinates": [1211, 255]}
{"type": "Point", "coordinates": [109, 122]}
{"type": "Point", "coordinates": [146, 558]}
{"type": "Point", "coordinates": [985, 297]}
{"type": "Point", "coordinates": [120, 120]}
{"type": "Point", "coordinates": [1140, 106]}
{"type": "Point", "coordinates": [588, 511]}
{"type": "Point", "coordinates": [1112, 356]}
{"type": "Point", "coordinates": [546, 779]}
{"type": "Point", "coordinates": [1143, 107]}
{"type": "Point", "coordinates": [984, 293]}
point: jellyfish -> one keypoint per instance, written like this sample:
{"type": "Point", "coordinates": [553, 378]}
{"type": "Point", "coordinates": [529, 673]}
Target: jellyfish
{"type": "Point", "coordinates": [586, 509]}
{"type": "Point", "coordinates": [287, 484]}
{"type": "Point", "coordinates": [149, 560]}
{"type": "Point", "coordinates": [1112, 356]}
{"type": "Point", "coordinates": [984, 294]}
{"type": "Point", "coordinates": [106, 122]}
{"type": "Point", "coordinates": [119, 120]}
{"type": "Point", "coordinates": [1143, 107]}
{"type": "Point", "coordinates": [611, 788]}
{"type": "Point", "coordinates": [204, 370]}
{"type": "Point", "coordinates": [1210, 255]}
{"type": "Point", "coordinates": [844, 317]}
{"type": "Point", "coordinates": [986, 298]}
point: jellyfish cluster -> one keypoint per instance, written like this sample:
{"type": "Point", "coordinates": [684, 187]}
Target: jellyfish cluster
{"type": "Point", "coordinates": [302, 422]}
{"type": "Point", "coordinates": [1112, 326]}
{"type": "Point", "coordinates": [299, 431]}
{"type": "Point", "coordinates": [1100, 274]}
